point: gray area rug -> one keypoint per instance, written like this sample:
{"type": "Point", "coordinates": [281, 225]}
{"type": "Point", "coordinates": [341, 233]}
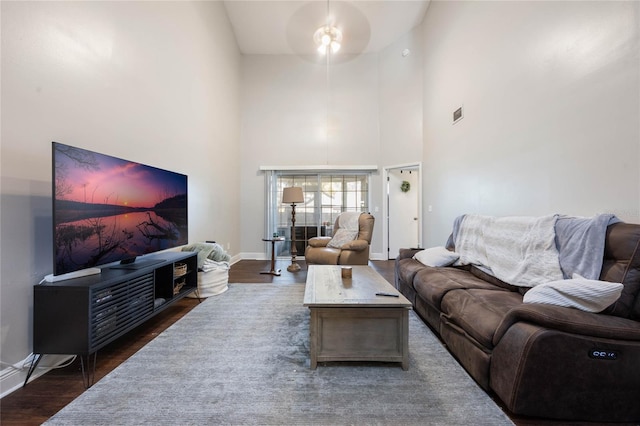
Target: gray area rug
{"type": "Point", "coordinates": [243, 358]}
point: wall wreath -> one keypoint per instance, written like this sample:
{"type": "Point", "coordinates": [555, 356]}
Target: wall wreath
{"type": "Point", "coordinates": [405, 187]}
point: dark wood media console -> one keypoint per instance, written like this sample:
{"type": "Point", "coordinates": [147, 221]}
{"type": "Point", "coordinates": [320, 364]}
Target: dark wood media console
{"type": "Point", "coordinates": [80, 316]}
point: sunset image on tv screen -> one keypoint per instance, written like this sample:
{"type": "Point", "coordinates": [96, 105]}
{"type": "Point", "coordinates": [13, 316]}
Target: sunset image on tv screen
{"type": "Point", "coordinates": [108, 209]}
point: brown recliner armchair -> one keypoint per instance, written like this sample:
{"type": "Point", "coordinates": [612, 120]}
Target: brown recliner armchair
{"type": "Point", "coordinates": [355, 252]}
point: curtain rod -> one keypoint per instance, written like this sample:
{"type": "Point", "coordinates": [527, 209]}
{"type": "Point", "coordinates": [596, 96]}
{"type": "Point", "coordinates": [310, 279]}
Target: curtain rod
{"type": "Point", "coordinates": [319, 168]}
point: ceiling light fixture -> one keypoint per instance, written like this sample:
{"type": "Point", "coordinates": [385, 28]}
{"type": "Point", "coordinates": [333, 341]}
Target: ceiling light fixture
{"type": "Point", "coordinates": [328, 38]}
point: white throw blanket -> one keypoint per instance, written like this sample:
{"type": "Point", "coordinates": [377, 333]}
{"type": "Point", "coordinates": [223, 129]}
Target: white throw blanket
{"type": "Point", "coordinates": [349, 227]}
{"type": "Point", "coordinates": [517, 250]}
{"type": "Point", "coordinates": [349, 221]}
{"type": "Point", "coordinates": [211, 265]}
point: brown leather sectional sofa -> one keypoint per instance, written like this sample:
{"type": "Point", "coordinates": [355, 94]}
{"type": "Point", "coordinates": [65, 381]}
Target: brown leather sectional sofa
{"type": "Point", "coordinates": [540, 360]}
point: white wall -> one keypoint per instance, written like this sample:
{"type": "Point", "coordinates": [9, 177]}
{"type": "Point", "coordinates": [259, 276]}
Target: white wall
{"type": "Point", "coordinates": [551, 110]}
{"type": "Point", "coordinates": [284, 123]}
{"type": "Point", "coordinates": [401, 117]}
{"type": "Point", "coordinates": [400, 89]}
{"type": "Point", "coordinates": [154, 82]}
{"type": "Point", "coordinates": [372, 104]}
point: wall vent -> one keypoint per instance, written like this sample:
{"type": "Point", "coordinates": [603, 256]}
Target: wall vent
{"type": "Point", "coordinates": [457, 115]}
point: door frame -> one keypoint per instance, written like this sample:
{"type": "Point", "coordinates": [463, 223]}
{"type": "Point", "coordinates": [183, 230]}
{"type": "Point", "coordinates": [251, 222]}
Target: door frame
{"type": "Point", "coordinates": [385, 203]}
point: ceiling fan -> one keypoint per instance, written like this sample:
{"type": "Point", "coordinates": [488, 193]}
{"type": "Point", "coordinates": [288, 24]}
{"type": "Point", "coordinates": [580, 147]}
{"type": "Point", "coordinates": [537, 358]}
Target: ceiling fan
{"type": "Point", "coordinates": [335, 28]}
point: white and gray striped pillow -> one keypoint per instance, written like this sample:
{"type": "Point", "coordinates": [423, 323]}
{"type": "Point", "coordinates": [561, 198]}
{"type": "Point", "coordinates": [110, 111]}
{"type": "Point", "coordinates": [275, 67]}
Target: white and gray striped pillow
{"type": "Point", "coordinates": [578, 292]}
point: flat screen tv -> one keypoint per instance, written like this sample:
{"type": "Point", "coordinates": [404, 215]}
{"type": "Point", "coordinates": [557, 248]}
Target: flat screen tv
{"type": "Point", "coordinates": [110, 210]}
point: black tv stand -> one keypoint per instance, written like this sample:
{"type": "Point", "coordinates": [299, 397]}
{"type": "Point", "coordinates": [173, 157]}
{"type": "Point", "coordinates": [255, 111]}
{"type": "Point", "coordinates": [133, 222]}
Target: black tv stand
{"type": "Point", "coordinates": [81, 315]}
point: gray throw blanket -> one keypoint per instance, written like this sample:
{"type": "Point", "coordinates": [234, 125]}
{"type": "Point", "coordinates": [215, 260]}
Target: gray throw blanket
{"type": "Point", "coordinates": [580, 242]}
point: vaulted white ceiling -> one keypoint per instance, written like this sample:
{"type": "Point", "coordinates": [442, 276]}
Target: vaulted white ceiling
{"type": "Point", "coordinates": [270, 27]}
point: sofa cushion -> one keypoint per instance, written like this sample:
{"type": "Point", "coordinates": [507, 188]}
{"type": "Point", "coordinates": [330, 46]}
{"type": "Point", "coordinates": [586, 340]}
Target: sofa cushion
{"type": "Point", "coordinates": [436, 257]}
{"type": "Point", "coordinates": [322, 255]}
{"type": "Point", "coordinates": [406, 269]}
{"type": "Point", "coordinates": [479, 312]}
{"type": "Point", "coordinates": [493, 280]}
{"type": "Point", "coordinates": [432, 284]}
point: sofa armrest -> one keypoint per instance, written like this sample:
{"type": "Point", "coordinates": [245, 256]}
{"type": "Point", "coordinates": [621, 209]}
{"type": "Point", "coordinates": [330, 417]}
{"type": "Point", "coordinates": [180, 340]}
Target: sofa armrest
{"type": "Point", "coordinates": [355, 245]}
{"type": "Point", "coordinates": [406, 253]}
{"type": "Point", "coordinates": [571, 321]}
{"type": "Point", "coordinates": [319, 241]}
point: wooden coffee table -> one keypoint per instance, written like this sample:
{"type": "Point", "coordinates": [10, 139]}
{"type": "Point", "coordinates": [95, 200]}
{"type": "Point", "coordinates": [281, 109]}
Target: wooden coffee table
{"type": "Point", "coordinates": [349, 322]}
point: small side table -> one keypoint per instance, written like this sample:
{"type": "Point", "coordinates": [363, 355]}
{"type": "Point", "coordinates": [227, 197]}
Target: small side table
{"type": "Point", "coordinates": [273, 270]}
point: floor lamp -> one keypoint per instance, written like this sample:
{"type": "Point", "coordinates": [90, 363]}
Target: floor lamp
{"type": "Point", "coordinates": [292, 196]}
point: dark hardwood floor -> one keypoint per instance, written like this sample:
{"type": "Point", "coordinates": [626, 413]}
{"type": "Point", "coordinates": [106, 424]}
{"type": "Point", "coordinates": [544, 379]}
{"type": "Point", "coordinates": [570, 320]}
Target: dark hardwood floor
{"type": "Point", "coordinates": [47, 395]}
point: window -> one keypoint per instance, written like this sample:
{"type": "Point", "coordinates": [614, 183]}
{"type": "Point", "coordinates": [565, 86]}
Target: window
{"type": "Point", "coordinates": [326, 195]}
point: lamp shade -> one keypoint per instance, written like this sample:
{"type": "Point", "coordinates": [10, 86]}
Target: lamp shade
{"type": "Point", "coordinates": [292, 195]}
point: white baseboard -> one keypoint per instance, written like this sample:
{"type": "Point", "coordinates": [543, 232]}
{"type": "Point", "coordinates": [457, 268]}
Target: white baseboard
{"type": "Point", "coordinates": [263, 256]}
{"type": "Point", "coordinates": [253, 256]}
{"type": "Point", "coordinates": [12, 379]}
{"type": "Point", "coordinates": [377, 256]}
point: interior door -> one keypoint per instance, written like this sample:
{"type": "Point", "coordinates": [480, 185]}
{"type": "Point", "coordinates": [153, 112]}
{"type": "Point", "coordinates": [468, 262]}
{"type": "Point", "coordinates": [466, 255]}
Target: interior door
{"type": "Point", "coordinates": [403, 213]}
